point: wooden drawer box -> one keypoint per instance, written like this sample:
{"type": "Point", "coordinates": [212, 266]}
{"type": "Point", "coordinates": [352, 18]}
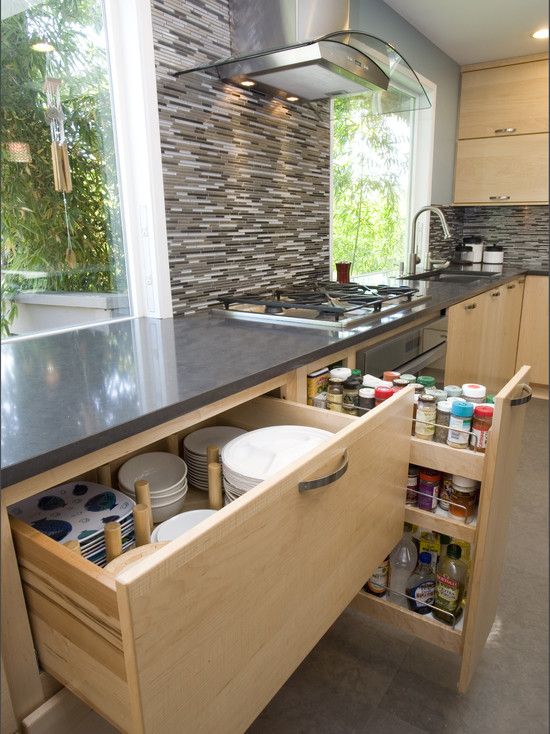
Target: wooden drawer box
{"type": "Point", "coordinates": [199, 636]}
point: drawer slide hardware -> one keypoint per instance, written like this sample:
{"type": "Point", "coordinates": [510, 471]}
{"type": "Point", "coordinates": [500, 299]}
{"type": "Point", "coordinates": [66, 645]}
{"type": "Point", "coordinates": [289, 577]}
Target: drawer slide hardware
{"type": "Point", "coordinates": [329, 479]}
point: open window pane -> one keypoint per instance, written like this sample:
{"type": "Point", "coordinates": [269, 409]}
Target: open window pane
{"type": "Point", "coordinates": [63, 255]}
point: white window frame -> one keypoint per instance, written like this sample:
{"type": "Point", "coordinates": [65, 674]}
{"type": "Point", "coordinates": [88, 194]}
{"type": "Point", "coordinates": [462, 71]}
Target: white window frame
{"type": "Point", "coordinates": [421, 173]}
{"type": "Point", "coordinates": [129, 30]}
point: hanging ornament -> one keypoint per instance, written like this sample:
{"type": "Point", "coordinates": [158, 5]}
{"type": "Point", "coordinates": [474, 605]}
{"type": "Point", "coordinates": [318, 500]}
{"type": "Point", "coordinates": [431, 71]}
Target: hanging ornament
{"type": "Point", "coordinates": [60, 155]}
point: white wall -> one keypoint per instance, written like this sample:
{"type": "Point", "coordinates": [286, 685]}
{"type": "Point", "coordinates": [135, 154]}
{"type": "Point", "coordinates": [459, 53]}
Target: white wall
{"type": "Point", "coordinates": [378, 19]}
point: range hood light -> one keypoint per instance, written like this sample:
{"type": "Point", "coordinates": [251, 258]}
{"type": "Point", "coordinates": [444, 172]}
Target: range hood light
{"type": "Point", "coordinates": [542, 33]}
{"type": "Point", "coordinates": [292, 99]}
{"type": "Point", "coordinates": [248, 83]}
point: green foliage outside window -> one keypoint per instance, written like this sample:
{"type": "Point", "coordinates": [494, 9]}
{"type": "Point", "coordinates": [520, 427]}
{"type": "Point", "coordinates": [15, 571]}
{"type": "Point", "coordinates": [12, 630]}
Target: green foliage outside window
{"type": "Point", "coordinates": [35, 226]}
{"type": "Point", "coordinates": [371, 173]}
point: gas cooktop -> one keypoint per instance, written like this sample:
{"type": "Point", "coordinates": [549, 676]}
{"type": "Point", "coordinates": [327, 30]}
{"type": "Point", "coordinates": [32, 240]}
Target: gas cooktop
{"type": "Point", "coordinates": [322, 303]}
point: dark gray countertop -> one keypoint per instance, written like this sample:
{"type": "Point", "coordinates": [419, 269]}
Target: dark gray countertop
{"type": "Point", "coordinates": [67, 394]}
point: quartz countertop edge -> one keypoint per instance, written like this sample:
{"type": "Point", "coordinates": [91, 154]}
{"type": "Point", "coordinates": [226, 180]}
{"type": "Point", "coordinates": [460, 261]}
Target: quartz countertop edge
{"type": "Point", "coordinates": [66, 395]}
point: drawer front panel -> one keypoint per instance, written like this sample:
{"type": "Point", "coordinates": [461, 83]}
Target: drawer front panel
{"type": "Point", "coordinates": [212, 626]}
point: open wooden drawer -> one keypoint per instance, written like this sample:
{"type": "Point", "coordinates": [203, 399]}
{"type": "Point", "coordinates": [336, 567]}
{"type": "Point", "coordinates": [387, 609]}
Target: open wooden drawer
{"type": "Point", "coordinates": [200, 635]}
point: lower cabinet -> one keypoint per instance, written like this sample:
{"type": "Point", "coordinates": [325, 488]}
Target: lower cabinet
{"type": "Point", "coordinates": [483, 337]}
{"type": "Point", "coordinates": [200, 635]}
{"type": "Point", "coordinates": [533, 335]}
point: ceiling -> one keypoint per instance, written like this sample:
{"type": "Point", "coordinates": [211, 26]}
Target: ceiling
{"type": "Point", "coordinates": [478, 30]}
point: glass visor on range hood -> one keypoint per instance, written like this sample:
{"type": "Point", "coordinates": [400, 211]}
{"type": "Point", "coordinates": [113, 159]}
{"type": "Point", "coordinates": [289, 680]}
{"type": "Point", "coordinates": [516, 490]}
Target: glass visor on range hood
{"type": "Point", "coordinates": [335, 65]}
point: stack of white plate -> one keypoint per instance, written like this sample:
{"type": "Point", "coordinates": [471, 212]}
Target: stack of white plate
{"type": "Point", "coordinates": [250, 459]}
{"type": "Point", "coordinates": [167, 477]}
{"type": "Point", "coordinates": [194, 451]}
{"type": "Point", "coordinates": [79, 511]}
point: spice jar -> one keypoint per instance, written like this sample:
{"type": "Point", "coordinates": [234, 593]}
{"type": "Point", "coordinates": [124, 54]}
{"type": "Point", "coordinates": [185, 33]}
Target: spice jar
{"type": "Point", "coordinates": [382, 393]}
{"type": "Point", "coordinates": [428, 490]}
{"type": "Point", "coordinates": [463, 497]}
{"type": "Point", "coordinates": [438, 394]}
{"type": "Point", "coordinates": [418, 388]}
{"type": "Point", "coordinates": [341, 373]}
{"type": "Point", "coordinates": [442, 417]}
{"type": "Point", "coordinates": [412, 485]}
{"type": "Point", "coordinates": [366, 398]}
{"type": "Point", "coordinates": [445, 489]}
{"type": "Point", "coordinates": [415, 410]}
{"type": "Point", "coordinates": [409, 378]}
{"type": "Point", "coordinates": [335, 394]}
{"type": "Point", "coordinates": [356, 373]}
{"type": "Point", "coordinates": [400, 383]}
{"type": "Point", "coordinates": [320, 400]}
{"type": "Point", "coordinates": [453, 391]}
{"type": "Point", "coordinates": [425, 417]}
{"type": "Point", "coordinates": [426, 380]}
{"type": "Point", "coordinates": [481, 422]}
{"type": "Point", "coordinates": [460, 424]}
{"type": "Point", "coordinates": [474, 393]}
{"type": "Point", "coordinates": [390, 375]}
{"type": "Point", "coordinates": [351, 392]}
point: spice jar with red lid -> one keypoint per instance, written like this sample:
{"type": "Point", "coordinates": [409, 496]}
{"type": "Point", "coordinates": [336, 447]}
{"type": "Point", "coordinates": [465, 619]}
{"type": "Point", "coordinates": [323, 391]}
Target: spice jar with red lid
{"type": "Point", "coordinates": [382, 393]}
{"type": "Point", "coordinates": [428, 490]}
{"type": "Point", "coordinates": [481, 423]}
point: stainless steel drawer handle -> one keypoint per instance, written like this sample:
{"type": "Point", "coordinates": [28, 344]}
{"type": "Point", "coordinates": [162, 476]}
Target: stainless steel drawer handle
{"type": "Point", "coordinates": [505, 130]}
{"type": "Point", "coordinates": [524, 398]}
{"type": "Point", "coordinates": [511, 287]}
{"type": "Point", "coordinates": [500, 197]}
{"type": "Point", "coordinates": [470, 306]}
{"type": "Point", "coordinates": [329, 479]}
{"type": "Point", "coordinates": [497, 293]}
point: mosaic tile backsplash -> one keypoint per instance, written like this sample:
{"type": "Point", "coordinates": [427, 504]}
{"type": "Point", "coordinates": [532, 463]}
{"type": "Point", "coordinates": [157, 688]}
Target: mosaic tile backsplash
{"type": "Point", "coordinates": [521, 230]}
{"type": "Point", "coordinates": [246, 180]}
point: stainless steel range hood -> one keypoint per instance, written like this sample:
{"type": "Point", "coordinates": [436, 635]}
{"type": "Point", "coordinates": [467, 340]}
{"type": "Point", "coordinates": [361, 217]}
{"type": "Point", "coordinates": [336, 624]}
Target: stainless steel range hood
{"type": "Point", "coordinates": [302, 50]}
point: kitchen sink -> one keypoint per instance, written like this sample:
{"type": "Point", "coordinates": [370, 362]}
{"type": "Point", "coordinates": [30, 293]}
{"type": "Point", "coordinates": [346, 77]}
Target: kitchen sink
{"type": "Point", "coordinates": [452, 276]}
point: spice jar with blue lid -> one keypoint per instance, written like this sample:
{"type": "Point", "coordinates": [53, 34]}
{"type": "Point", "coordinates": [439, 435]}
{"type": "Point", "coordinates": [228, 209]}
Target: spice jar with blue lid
{"type": "Point", "coordinates": [460, 423]}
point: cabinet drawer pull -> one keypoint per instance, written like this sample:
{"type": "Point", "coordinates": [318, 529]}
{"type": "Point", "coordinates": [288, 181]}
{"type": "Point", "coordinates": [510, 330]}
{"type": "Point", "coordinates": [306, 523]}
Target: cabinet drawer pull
{"type": "Point", "coordinates": [510, 287]}
{"type": "Point", "coordinates": [500, 197]}
{"type": "Point", "coordinates": [329, 479]}
{"type": "Point", "coordinates": [505, 130]}
{"type": "Point", "coordinates": [497, 293]}
{"type": "Point", "coordinates": [470, 306]}
{"type": "Point", "coordinates": [524, 398]}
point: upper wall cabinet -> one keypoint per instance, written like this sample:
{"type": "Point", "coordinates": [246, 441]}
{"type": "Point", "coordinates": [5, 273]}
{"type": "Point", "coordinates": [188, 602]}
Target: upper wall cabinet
{"type": "Point", "coordinates": [506, 100]}
{"type": "Point", "coordinates": [502, 155]}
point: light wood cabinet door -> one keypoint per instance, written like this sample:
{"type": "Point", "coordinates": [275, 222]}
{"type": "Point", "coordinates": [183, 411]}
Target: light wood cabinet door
{"type": "Point", "coordinates": [533, 333]}
{"type": "Point", "coordinates": [466, 329]}
{"type": "Point", "coordinates": [512, 298]}
{"type": "Point", "coordinates": [506, 100]}
{"type": "Point", "coordinates": [506, 170]}
{"type": "Point", "coordinates": [200, 635]}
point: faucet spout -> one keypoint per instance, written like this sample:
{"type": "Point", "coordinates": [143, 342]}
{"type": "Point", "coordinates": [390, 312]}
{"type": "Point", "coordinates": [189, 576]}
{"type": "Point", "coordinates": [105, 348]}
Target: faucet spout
{"type": "Point", "coordinates": [413, 258]}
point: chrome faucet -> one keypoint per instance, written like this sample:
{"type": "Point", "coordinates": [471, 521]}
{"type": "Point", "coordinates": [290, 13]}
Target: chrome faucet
{"type": "Point", "coordinates": [413, 257]}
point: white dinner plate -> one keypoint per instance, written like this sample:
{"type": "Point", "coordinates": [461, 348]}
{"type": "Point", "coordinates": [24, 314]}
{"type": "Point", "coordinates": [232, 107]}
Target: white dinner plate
{"type": "Point", "coordinates": [176, 526]}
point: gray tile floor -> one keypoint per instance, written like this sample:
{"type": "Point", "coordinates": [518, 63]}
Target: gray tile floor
{"type": "Point", "coordinates": [364, 676]}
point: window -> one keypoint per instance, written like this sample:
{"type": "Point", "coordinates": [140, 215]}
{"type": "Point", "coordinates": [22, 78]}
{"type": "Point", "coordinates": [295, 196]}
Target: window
{"type": "Point", "coordinates": [381, 167]}
{"type": "Point", "coordinates": [82, 239]}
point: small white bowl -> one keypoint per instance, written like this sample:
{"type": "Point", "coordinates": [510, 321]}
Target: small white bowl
{"type": "Point", "coordinates": [161, 513]}
{"type": "Point", "coordinates": [161, 469]}
{"type": "Point", "coordinates": [180, 524]}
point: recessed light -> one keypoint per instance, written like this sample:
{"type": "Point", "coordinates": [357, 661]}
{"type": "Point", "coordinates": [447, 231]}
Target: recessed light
{"type": "Point", "coordinates": [541, 33]}
{"type": "Point", "coordinates": [42, 47]}
{"type": "Point", "coordinates": [248, 83]}
{"type": "Point", "coordinates": [292, 99]}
